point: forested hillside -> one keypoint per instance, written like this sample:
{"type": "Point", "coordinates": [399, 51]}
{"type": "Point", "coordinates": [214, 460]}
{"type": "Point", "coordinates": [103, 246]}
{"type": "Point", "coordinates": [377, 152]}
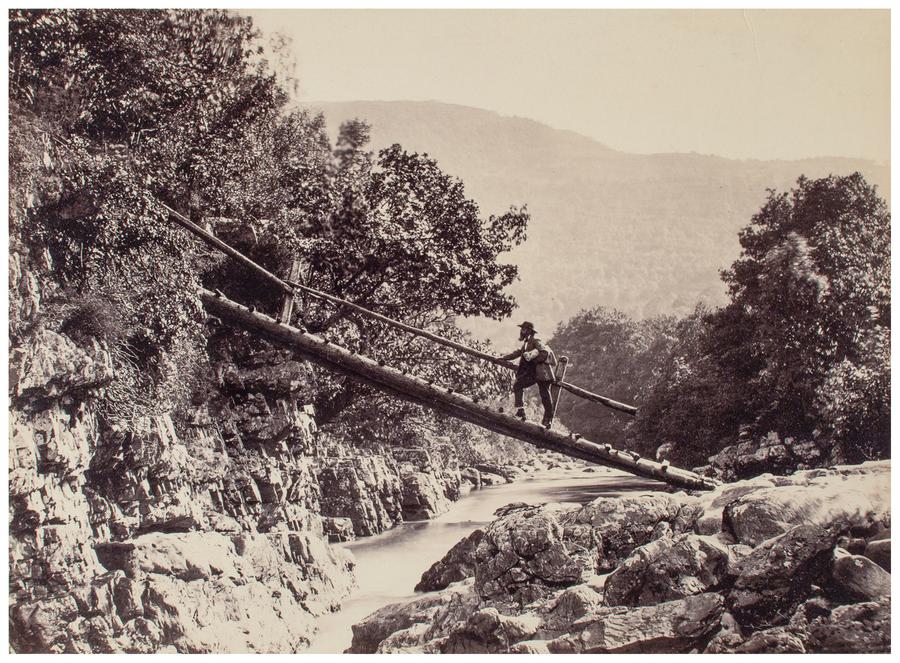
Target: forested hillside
{"type": "Point", "coordinates": [642, 234]}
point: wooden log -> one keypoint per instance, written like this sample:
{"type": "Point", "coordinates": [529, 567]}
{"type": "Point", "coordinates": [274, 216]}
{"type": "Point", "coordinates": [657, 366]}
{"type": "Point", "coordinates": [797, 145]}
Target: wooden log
{"type": "Point", "coordinates": [555, 388]}
{"type": "Point", "coordinates": [287, 305]}
{"type": "Point", "coordinates": [415, 390]}
{"type": "Point", "coordinates": [290, 287]}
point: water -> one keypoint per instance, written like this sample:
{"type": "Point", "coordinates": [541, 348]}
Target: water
{"type": "Point", "coordinates": [389, 565]}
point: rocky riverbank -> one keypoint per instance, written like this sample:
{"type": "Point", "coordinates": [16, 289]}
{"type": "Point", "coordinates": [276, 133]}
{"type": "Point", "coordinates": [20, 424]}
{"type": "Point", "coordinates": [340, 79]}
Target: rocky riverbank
{"type": "Point", "coordinates": [198, 531]}
{"type": "Point", "coordinates": [771, 564]}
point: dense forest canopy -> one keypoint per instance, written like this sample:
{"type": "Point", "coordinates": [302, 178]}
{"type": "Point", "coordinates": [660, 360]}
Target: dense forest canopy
{"type": "Point", "coordinates": [115, 111]}
{"type": "Point", "coordinates": [801, 350]}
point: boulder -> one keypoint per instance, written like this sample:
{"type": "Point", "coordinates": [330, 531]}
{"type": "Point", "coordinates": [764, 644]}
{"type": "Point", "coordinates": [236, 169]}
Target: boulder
{"type": "Point", "coordinates": [458, 564]}
{"type": "Point", "coordinates": [671, 627]}
{"type": "Point", "coordinates": [471, 476]}
{"type": "Point", "coordinates": [860, 628]}
{"type": "Point", "coordinates": [853, 499]}
{"type": "Point", "coordinates": [620, 524]}
{"type": "Point", "coordinates": [522, 556]}
{"type": "Point", "coordinates": [858, 578]}
{"type": "Point", "coordinates": [667, 569]}
{"type": "Point", "coordinates": [374, 629]}
{"type": "Point", "coordinates": [568, 607]}
{"type": "Point", "coordinates": [776, 640]}
{"type": "Point", "coordinates": [417, 625]}
{"type": "Point", "coordinates": [780, 574]}
{"type": "Point", "coordinates": [768, 454]}
{"type": "Point", "coordinates": [712, 503]}
{"type": "Point", "coordinates": [530, 647]}
{"type": "Point", "coordinates": [879, 552]}
{"type": "Point", "coordinates": [491, 479]}
{"type": "Point", "coordinates": [508, 472]}
{"type": "Point", "coordinates": [488, 631]}
{"type": "Point", "coordinates": [727, 638]}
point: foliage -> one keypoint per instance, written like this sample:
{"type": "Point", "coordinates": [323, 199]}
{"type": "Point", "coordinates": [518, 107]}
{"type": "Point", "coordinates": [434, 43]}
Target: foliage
{"type": "Point", "coordinates": [803, 348]}
{"type": "Point", "coordinates": [117, 111]}
{"type": "Point", "coordinates": [688, 402]}
{"type": "Point", "coordinates": [811, 291]}
{"type": "Point", "coordinates": [611, 354]}
{"type": "Point", "coordinates": [130, 107]}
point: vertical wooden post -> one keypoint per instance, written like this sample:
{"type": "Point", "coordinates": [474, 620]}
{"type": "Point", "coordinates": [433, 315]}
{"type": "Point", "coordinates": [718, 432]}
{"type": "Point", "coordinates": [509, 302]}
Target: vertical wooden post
{"type": "Point", "coordinates": [555, 389]}
{"type": "Point", "coordinates": [287, 305]}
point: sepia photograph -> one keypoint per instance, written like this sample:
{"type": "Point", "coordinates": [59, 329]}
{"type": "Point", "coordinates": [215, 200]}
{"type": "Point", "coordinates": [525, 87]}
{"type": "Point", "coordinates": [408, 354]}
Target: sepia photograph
{"type": "Point", "coordinates": [488, 330]}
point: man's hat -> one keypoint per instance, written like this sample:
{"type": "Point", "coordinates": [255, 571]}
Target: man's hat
{"type": "Point", "coordinates": [528, 325]}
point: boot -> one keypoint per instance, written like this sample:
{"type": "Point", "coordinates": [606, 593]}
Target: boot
{"type": "Point", "coordinates": [546, 422]}
{"type": "Point", "coordinates": [520, 413]}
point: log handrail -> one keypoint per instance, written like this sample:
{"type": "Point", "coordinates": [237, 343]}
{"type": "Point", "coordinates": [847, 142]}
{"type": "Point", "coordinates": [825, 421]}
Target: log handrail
{"type": "Point", "coordinates": [416, 390]}
{"type": "Point", "coordinates": [291, 286]}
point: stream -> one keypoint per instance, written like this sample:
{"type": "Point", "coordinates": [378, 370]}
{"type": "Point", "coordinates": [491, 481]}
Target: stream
{"type": "Point", "coordinates": [390, 564]}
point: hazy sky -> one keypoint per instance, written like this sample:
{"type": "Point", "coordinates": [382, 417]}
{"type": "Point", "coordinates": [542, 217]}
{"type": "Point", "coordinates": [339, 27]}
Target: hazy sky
{"type": "Point", "coordinates": [743, 84]}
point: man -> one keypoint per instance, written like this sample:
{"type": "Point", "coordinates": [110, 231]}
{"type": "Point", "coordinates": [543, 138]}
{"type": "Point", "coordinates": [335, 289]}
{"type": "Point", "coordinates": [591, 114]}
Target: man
{"type": "Point", "coordinates": [535, 367]}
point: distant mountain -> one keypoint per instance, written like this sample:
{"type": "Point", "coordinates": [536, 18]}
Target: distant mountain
{"type": "Point", "coordinates": [645, 234]}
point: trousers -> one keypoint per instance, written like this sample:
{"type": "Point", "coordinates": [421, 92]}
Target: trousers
{"type": "Point", "coordinates": [523, 382]}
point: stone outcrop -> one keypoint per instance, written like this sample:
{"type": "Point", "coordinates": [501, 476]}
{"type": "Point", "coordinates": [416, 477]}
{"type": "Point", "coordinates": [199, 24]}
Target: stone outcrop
{"type": "Point", "coordinates": [149, 535]}
{"type": "Point", "coordinates": [458, 564]}
{"type": "Point", "coordinates": [841, 499]}
{"type": "Point", "coordinates": [859, 578]}
{"type": "Point", "coordinates": [780, 573]}
{"type": "Point", "coordinates": [768, 454]}
{"type": "Point", "coordinates": [620, 524]}
{"type": "Point", "coordinates": [674, 626]}
{"type": "Point", "coordinates": [523, 556]}
{"type": "Point", "coordinates": [364, 489]}
{"type": "Point", "coordinates": [668, 568]}
{"type": "Point", "coordinates": [658, 572]}
{"type": "Point", "coordinates": [205, 532]}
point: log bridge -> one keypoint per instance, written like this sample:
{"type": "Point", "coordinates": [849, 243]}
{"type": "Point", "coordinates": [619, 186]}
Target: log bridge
{"type": "Point", "coordinates": [416, 390]}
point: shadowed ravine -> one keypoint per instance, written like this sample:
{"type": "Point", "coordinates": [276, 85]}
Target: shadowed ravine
{"type": "Point", "coordinates": [389, 565]}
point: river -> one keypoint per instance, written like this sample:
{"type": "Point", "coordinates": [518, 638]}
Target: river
{"type": "Point", "coordinates": [389, 565]}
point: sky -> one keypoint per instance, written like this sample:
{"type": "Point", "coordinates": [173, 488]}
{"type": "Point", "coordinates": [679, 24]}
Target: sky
{"type": "Point", "coordinates": [763, 84]}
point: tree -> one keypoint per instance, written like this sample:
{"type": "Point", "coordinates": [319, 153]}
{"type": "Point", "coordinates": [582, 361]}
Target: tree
{"type": "Point", "coordinates": [808, 325]}
{"type": "Point", "coordinates": [117, 110]}
{"type": "Point", "coordinates": [611, 354]}
{"type": "Point", "coordinates": [129, 107]}
{"type": "Point", "coordinates": [403, 240]}
{"type": "Point", "coordinates": [687, 402]}
{"type": "Point", "coordinates": [803, 348]}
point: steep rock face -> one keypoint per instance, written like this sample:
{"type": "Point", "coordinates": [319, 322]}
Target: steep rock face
{"type": "Point", "coordinates": [427, 487]}
{"type": "Point", "coordinates": [154, 535]}
{"type": "Point", "coordinates": [364, 489]}
{"type": "Point", "coordinates": [379, 490]}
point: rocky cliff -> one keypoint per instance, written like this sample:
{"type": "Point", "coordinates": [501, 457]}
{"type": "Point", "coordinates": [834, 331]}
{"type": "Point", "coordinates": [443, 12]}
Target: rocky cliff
{"type": "Point", "coordinates": [772, 564]}
{"type": "Point", "coordinates": [198, 531]}
{"type": "Point", "coordinates": [154, 535]}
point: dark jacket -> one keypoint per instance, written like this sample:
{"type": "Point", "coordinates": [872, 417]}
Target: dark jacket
{"type": "Point", "coordinates": [540, 367]}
